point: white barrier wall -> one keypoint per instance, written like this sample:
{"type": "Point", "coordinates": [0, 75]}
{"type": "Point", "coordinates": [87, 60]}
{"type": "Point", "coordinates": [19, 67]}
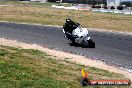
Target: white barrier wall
{"type": "Point", "coordinates": [113, 2]}
{"type": "Point", "coordinates": [39, 0]}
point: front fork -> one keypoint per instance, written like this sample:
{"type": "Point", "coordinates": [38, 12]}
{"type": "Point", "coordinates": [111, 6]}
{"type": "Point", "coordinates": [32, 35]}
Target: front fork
{"type": "Point", "coordinates": [87, 38]}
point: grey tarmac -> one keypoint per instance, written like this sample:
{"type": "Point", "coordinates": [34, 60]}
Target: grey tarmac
{"type": "Point", "coordinates": [112, 48]}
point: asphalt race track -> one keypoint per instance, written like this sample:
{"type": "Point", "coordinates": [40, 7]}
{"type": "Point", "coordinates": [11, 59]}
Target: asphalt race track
{"type": "Point", "coordinates": [115, 48]}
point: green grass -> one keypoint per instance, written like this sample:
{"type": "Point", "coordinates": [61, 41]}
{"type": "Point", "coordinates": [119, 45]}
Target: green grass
{"type": "Point", "coordinates": [28, 68]}
{"type": "Point", "coordinates": [51, 16]}
{"type": "Point", "coordinates": [43, 13]}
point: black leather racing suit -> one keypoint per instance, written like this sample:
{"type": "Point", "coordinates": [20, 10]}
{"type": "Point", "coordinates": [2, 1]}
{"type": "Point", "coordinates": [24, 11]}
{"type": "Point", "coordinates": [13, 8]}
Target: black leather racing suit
{"type": "Point", "coordinates": [68, 28]}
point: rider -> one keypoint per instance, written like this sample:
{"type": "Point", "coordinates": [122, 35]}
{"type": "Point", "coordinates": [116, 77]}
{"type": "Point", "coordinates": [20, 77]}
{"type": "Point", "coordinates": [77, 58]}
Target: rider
{"type": "Point", "coordinates": [69, 27]}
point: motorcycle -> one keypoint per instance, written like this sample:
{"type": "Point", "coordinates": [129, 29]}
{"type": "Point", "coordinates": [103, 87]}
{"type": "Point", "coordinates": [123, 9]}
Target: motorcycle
{"type": "Point", "coordinates": [79, 36]}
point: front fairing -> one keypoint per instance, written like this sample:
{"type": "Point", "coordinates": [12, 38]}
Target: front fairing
{"type": "Point", "coordinates": [80, 32]}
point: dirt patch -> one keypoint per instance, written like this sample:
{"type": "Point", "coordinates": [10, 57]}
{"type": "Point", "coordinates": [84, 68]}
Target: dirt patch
{"type": "Point", "coordinates": [70, 57]}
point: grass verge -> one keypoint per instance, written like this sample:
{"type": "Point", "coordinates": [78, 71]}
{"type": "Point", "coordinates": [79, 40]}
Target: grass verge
{"type": "Point", "coordinates": [22, 68]}
{"type": "Point", "coordinates": [35, 12]}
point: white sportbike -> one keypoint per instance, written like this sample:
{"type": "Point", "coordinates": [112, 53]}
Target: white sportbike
{"type": "Point", "coordinates": [80, 36]}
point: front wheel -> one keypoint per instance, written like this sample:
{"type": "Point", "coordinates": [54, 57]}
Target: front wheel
{"type": "Point", "coordinates": [88, 44]}
{"type": "Point", "coordinates": [91, 43]}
